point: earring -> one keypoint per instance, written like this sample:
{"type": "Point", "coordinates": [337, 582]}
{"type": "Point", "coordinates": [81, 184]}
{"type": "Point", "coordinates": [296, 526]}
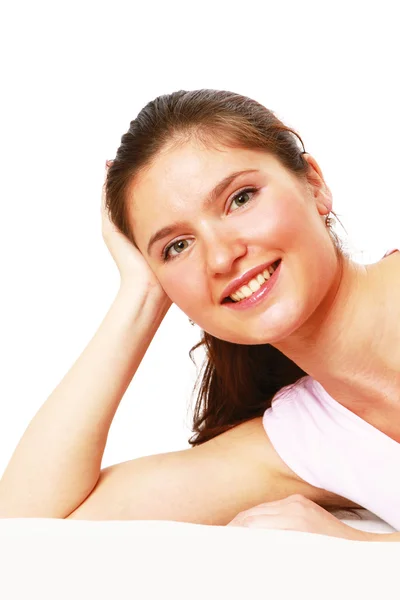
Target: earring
{"type": "Point", "coordinates": [329, 221]}
{"type": "Point", "coordinates": [192, 322]}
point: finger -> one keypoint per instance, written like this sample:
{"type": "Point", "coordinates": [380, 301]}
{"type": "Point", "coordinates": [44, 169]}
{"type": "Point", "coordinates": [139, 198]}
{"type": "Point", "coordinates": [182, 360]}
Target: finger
{"type": "Point", "coordinates": [274, 522]}
{"type": "Point", "coordinates": [234, 523]}
{"type": "Point", "coordinates": [108, 163]}
{"type": "Point", "coordinates": [103, 196]}
{"type": "Point", "coordinates": [287, 500]}
{"type": "Point", "coordinates": [266, 509]}
{"type": "Point", "coordinates": [240, 519]}
{"type": "Point", "coordinates": [274, 507]}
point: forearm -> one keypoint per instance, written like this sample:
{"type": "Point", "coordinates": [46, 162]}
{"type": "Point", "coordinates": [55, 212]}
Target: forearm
{"type": "Point", "coordinates": [351, 533]}
{"type": "Point", "coordinates": [382, 537]}
{"type": "Point", "coordinates": [57, 461]}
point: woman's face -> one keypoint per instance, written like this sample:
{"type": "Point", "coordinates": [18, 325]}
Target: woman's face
{"type": "Point", "coordinates": [260, 214]}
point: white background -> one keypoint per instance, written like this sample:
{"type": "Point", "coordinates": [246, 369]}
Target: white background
{"type": "Point", "coordinates": [73, 75]}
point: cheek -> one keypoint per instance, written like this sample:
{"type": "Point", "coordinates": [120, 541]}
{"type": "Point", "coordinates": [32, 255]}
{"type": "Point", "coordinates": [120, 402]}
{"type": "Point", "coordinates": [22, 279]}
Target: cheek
{"type": "Point", "coordinates": [179, 286]}
{"type": "Point", "coordinates": [278, 221]}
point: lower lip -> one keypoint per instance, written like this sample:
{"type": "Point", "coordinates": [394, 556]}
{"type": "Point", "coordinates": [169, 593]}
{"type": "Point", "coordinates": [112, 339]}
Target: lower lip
{"type": "Point", "coordinates": [258, 296]}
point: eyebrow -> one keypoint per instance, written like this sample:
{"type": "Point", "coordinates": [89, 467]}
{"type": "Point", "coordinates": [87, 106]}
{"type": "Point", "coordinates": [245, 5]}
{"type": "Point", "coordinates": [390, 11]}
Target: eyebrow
{"type": "Point", "coordinates": [210, 198]}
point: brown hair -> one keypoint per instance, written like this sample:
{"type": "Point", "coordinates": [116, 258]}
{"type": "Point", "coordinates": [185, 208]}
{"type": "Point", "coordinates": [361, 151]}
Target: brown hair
{"type": "Point", "coordinates": [238, 381]}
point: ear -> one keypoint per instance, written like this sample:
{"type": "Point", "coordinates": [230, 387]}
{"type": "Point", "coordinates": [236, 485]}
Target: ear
{"type": "Point", "coordinates": [321, 193]}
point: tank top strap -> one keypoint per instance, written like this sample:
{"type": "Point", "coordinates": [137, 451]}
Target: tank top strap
{"type": "Point", "coordinates": [389, 252]}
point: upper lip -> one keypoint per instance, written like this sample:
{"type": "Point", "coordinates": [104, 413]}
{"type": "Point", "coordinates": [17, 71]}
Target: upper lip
{"type": "Point", "coordinates": [237, 283]}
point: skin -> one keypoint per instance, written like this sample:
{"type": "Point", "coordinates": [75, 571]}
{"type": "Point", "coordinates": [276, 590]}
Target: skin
{"type": "Point", "coordinates": [321, 310]}
{"type": "Point", "coordinates": [281, 221]}
{"type": "Point", "coordinates": [319, 313]}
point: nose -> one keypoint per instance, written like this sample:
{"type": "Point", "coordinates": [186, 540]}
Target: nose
{"type": "Point", "coordinates": [222, 250]}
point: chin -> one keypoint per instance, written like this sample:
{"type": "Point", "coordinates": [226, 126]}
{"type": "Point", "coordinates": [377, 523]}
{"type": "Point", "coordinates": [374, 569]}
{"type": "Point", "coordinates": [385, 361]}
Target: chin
{"type": "Point", "coordinates": [252, 337]}
{"type": "Point", "coordinates": [274, 326]}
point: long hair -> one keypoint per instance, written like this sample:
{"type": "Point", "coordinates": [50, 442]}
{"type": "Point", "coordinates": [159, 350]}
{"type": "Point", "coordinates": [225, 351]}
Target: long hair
{"type": "Point", "coordinates": [238, 381]}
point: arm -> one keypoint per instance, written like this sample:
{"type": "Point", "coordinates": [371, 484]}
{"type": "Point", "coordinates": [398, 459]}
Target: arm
{"type": "Point", "coordinates": [207, 484]}
{"type": "Point", "coordinates": [57, 461]}
{"type": "Point", "coordinates": [300, 513]}
{"type": "Point", "coordinates": [382, 537]}
{"type": "Point", "coordinates": [55, 469]}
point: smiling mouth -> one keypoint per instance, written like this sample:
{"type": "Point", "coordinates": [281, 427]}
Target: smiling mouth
{"type": "Point", "coordinates": [253, 285]}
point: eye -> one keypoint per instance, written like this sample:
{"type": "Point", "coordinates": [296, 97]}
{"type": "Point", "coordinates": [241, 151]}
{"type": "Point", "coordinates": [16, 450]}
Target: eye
{"type": "Point", "coordinates": [243, 197]}
{"type": "Point", "coordinates": [178, 246]}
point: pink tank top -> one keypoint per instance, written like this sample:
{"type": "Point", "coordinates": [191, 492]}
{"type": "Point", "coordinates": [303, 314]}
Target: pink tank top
{"type": "Point", "coordinates": [330, 447]}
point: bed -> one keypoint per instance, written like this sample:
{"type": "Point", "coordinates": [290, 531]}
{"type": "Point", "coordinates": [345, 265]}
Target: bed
{"type": "Point", "coordinates": [59, 559]}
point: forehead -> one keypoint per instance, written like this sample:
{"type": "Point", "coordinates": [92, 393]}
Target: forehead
{"type": "Point", "coordinates": [193, 165]}
{"type": "Point", "coordinates": [180, 178]}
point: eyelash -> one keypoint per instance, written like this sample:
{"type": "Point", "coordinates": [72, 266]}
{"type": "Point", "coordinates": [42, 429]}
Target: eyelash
{"type": "Point", "coordinates": [166, 257]}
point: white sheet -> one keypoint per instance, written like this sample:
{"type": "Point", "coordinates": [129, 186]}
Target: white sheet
{"type": "Point", "coordinates": [363, 519]}
{"type": "Point", "coordinates": [94, 560]}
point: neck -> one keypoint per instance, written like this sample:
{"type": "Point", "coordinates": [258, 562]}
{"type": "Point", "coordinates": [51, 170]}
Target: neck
{"type": "Point", "coordinates": [350, 344]}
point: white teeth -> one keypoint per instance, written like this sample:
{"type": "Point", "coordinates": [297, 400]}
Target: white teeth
{"type": "Point", "coordinates": [246, 291]}
{"type": "Point", "coordinates": [260, 279]}
{"type": "Point", "coordinates": [253, 285]}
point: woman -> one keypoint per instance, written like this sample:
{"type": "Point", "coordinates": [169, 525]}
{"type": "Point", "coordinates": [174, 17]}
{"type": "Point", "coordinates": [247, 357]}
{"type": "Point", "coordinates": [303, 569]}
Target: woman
{"type": "Point", "coordinates": [211, 204]}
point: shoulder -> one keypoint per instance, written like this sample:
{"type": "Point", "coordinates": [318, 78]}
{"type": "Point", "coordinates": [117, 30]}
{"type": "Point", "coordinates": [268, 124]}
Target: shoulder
{"type": "Point", "coordinates": [391, 261]}
{"type": "Point", "coordinates": [389, 252]}
{"type": "Point", "coordinates": [253, 456]}
{"type": "Point", "coordinates": [389, 267]}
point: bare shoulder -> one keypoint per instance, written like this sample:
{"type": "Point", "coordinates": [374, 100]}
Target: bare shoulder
{"type": "Point", "coordinates": [391, 263]}
{"type": "Point", "coordinates": [208, 484]}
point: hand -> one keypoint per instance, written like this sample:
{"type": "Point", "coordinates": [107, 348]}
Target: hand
{"type": "Point", "coordinates": [131, 264]}
{"type": "Point", "coordinates": [297, 513]}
